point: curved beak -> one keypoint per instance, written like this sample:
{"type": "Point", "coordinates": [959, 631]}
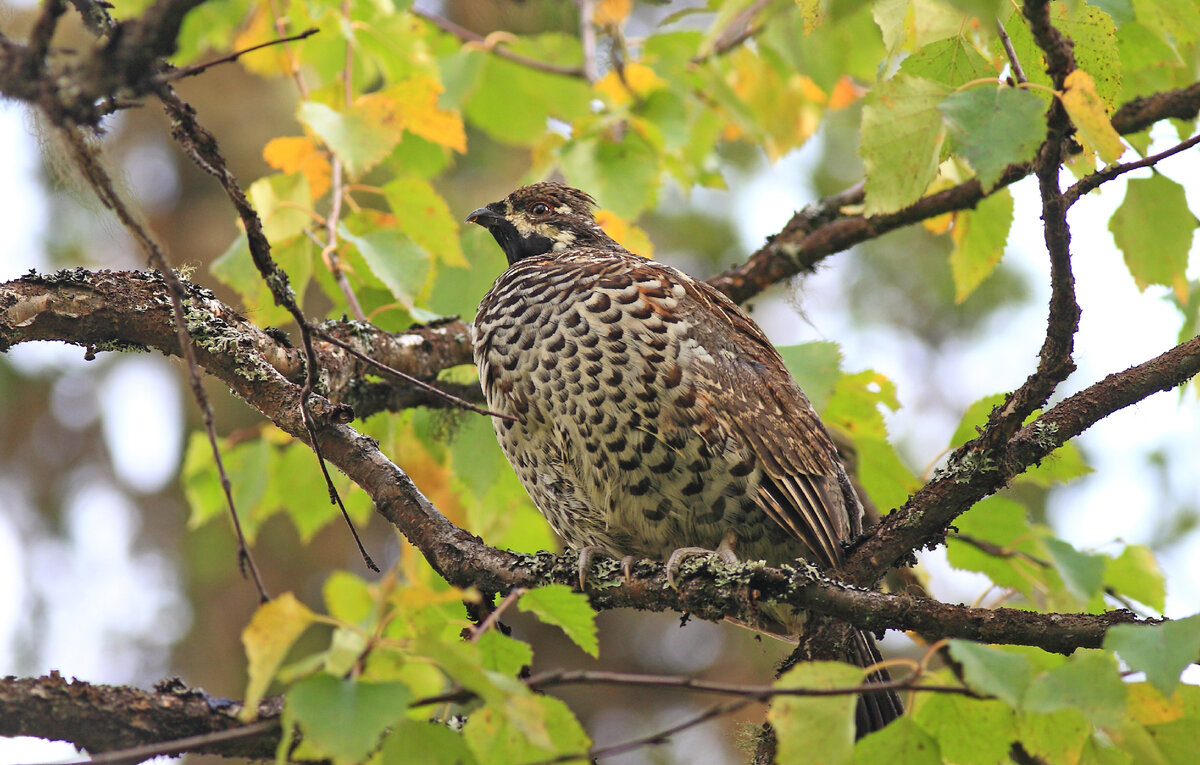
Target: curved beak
{"type": "Point", "coordinates": [483, 217]}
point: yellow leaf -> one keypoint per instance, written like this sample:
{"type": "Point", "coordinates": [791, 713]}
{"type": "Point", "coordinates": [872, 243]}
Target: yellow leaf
{"type": "Point", "coordinates": [268, 637]}
{"type": "Point", "coordinates": [627, 235]}
{"type": "Point", "coordinates": [639, 80]}
{"type": "Point", "coordinates": [381, 110]}
{"type": "Point", "coordinates": [1089, 115]}
{"type": "Point", "coordinates": [299, 153]}
{"type": "Point", "coordinates": [938, 224]}
{"type": "Point", "coordinates": [845, 92]}
{"type": "Point", "coordinates": [1149, 707]}
{"type": "Point", "coordinates": [1181, 288]}
{"type": "Point", "coordinates": [260, 28]}
{"type": "Point", "coordinates": [611, 12]}
{"type": "Point", "coordinates": [812, 91]}
{"type": "Point", "coordinates": [417, 98]}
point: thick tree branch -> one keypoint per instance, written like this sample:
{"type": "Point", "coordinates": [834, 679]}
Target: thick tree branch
{"type": "Point", "coordinates": [1054, 359]}
{"type": "Point", "coordinates": [823, 229]}
{"type": "Point", "coordinates": [112, 310]}
{"type": "Point", "coordinates": [970, 475]}
{"type": "Point", "coordinates": [103, 718]}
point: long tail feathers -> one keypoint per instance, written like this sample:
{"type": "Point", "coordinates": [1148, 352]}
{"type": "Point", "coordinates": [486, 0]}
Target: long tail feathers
{"type": "Point", "coordinates": [877, 709]}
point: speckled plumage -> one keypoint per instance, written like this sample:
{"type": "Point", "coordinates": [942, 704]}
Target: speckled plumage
{"type": "Point", "coordinates": [650, 413]}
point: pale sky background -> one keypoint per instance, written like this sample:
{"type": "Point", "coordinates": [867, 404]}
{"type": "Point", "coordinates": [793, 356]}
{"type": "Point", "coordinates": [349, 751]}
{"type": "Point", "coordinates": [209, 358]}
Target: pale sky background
{"type": "Point", "coordinates": [100, 633]}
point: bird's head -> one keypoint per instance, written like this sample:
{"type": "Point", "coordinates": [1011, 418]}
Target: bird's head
{"type": "Point", "coordinates": [540, 219]}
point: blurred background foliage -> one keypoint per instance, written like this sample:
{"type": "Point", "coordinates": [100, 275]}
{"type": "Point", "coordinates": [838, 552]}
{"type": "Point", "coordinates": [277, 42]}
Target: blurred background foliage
{"type": "Point", "coordinates": [699, 127]}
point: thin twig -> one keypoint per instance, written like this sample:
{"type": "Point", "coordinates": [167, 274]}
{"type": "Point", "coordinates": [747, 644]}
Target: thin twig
{"type": "Point", "coordinates": [201, 146]}
{"type": "Point", "coordinates": [757, 692]}
{"type": "Point", "coordinates": [293, 61]}
{"type": "Point", "coordinates": [467, 35]}
{"type": "Point", "coordinates": [999, 551]}
{"type": "Point", "coordinates": [653, 739]}
{"type": "Point", "coordinates": [1014, 62]}
{"type": "Point", "coordinates": [194, 69]}
{"type": "Point", "coordinates": [406, 377]}
{"type": "Point", "coordinates": [727, 39]}
{"type": "Point", "coordinates": [1094, 180]}
{"type": "Point", "coordinates": [87, 160]}
{"type": "Point", "coordinates": [329, 251]}
{"type": "Point", "coordinates": [512, 597]}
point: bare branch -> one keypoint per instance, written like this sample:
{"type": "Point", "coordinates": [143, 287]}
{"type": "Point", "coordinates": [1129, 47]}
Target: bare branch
{"type": "Point", "coordinates": [1093, 181]}
{"type": "Point", "coordinates": [191, 71]}
{"type": "Point", "coordinates": [1013, 61]}
{"type": "Point", "coordinates": [970, 476]}
{"type": "Point", "coordinates": [822, 229]}
{"type": "Point", "coordinates": [87, 308]}
{"type": "Point", "coordinates": [492, 46]}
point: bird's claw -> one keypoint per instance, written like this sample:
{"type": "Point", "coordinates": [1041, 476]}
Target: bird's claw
{"type": "Point", "coordinates": [724, 551]}
{"type": "Point", "coordinates": [587, 554]}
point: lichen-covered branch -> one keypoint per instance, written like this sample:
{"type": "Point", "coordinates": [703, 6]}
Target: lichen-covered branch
{"type": "Point", "coordinates": [107, 310]}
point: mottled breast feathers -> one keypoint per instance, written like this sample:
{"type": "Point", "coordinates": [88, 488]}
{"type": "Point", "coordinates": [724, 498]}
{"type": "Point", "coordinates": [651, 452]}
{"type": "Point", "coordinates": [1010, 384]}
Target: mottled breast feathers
{"type": "Point", "coordinates": [650, 412]}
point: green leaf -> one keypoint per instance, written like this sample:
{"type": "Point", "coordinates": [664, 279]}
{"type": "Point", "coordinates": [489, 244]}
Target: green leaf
{"type": "Point", "coordinates": [1135, 574]}
{"type": "Point", "coordinates": [903, 742]}
{"type": "Point", "coordinates": [1089, 683]}
{"type": "Point", "coordinates": [1082, 573]}
{"type": "Point", "coordinates": [1064, 464]}
{"type": "Point", "coordinates": [559, 605]}
{"type": "Point", "coordinates": [344, 719]}
{"type": "Point", "coordinates": [503, 84]}
{"type": "Point", "coordinates": [888, 481]}
{"type": "Point", "coordinates": [622, 175]}
{"type": "Point", "coordinates": [968, 731]}
{"type": "Point", "coordinates": [1002, 522]}
{"type": "Point", "coordinates": [503, 654]}
{"type": "Point", "coordinates": [246, 468]}
{"type": "Point", "coordinates": [855, 404]}
{"type": "Point", "coordinates": [236, 268]}
{"type": "Point", "coordinates": [1162, 651]}
{"type": "Point", "coordinates": [347, 597]}
{"type": "Point", "coordinates": [1095, 37]}
{"type": "Point", "coordinates": [1058, 737]}
{"type": "Point", "coordinates": [495, 738]}
{"type": "Point", "coordinates": [1174, 19]}
{"type": "Point", "coordinates": [975, 416]}
{"type": "Point", "coordinates": [424, 215]}
{"type": "Point", "coordinates": [396, 260]}
{"type": "Point", "coordinates": [346, 648]}
{"type": "Point", "coordinates": [272, 631]}
{"type": "Point", "coordinates": [994, 127]}
{"type": "Point", "coordinates": [953, 61]}
{"type": "Point", "coordinates": [283, 203]}
{"type": "Point", "coordinates": [1153, 227]}
{"type": "Point", "coordinates": [813, 729]}
{"type": "Point", "coordinates": [361, 138]}
{"type": "Point", "coordinates": [816, 367]}
{"type": "Point", "coordinates": [1096, 752]}
{"type": "Point", "coordinates": [979, 237]}
{"type": "Point", "coordinates": [415, 742]}
{"type": "Point", "coordinates": [475, 456]}
{"type": "Point", "coordinates": [901, 141]}
{"type": "Point", "coordinates": [992, 671]}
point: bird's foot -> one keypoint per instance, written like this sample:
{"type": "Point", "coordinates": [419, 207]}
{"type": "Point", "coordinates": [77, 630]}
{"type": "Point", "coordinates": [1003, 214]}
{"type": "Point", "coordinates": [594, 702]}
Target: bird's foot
{"type": "Point", "coordinates": [724, 551]}
{"type": "Point", "coordinates": [587, 554]}
{"type": "Point", "coordinates": [627, 568]}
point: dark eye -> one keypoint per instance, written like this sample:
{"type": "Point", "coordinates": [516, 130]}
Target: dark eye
{"type": "Point", "coordinates": [539, 208]}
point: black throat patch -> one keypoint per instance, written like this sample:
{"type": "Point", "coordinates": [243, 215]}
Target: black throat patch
{"type": "Point", "coordinates": [517, 247]}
